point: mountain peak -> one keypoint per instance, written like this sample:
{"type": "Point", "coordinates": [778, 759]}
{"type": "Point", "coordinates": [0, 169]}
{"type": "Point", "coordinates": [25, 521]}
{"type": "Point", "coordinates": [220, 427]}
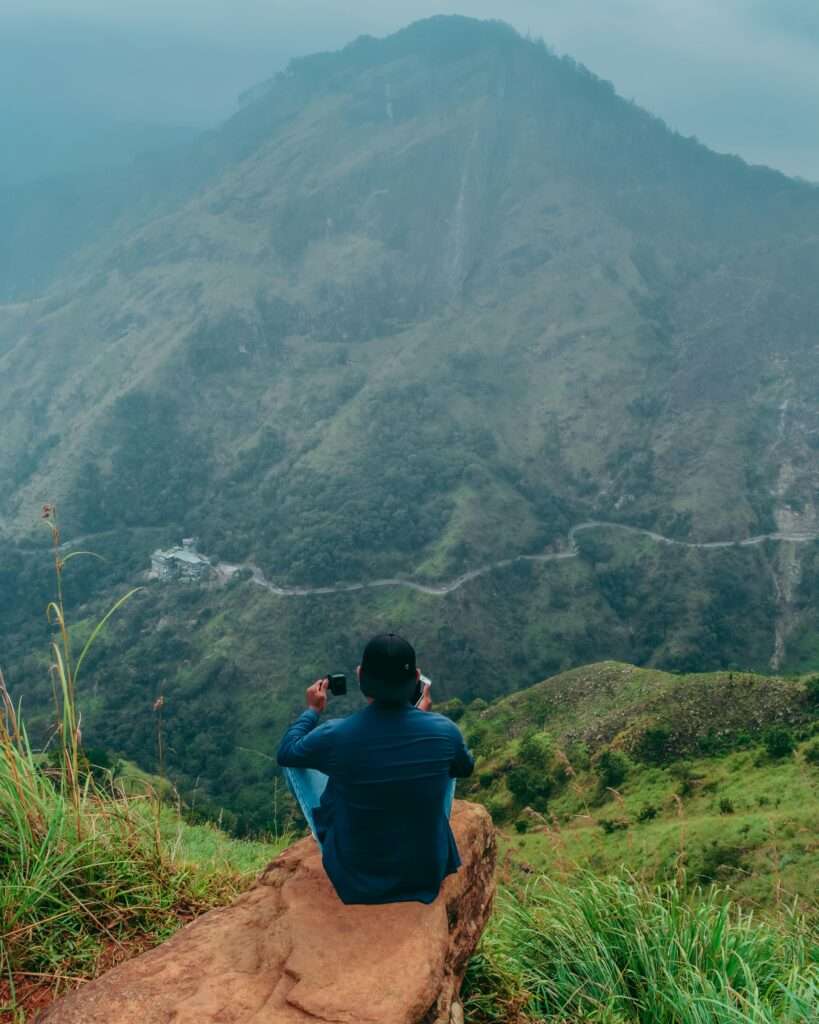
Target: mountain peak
{"type": "Point", "coordinates": [441, 38]}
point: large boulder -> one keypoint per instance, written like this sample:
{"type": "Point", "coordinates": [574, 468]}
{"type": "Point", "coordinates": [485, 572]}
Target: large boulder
{"type": "Point", "coordinates": [289, 952]}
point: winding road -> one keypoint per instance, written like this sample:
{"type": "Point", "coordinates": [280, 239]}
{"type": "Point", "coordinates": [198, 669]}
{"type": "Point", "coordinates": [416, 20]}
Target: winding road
{"type": "Point", "coordinates": [572, 551]}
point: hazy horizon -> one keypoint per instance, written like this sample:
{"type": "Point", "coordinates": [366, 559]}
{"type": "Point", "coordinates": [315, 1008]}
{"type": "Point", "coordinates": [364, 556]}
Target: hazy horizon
{"type": "Point", "coordinates": [743, 79]}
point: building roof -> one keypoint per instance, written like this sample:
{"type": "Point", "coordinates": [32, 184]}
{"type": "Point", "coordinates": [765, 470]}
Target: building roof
{"type": "Point", "coordinates": [183, 555]}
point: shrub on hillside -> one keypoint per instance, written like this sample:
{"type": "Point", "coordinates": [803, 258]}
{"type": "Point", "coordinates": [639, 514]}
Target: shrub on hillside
{"type": "Point", "coordinates": [611, 767]}
{"type": "Point", "coordinates": [717, 861]}
{"type": "Point", "coordinates": [537, 750]}
{"type": "Point", "coordinates": [497, 808]}
{"type": "Point", "coordinates": [653, 745]}
{"type": "Point", "coordinates": [779, 742]}
{"type": "Point", "coordinates": [711, 744]}
{"type": "Point", "coordinates": [530, 785]}
{"type": "Point", "coordinates": [477, 736]}
{"type": "Point", "coordinates": [812, 693]}
{"type": "Point", "coordinates": [686, 777]}
{"type": "Point", "coordinates": [811, 752]}
{"type": "Point", "coordinates": [610, 825]}
{"type": "Point", "coordinates": [533, 778]}
{"type": "Point", "coordinates": [453, 709]}
{"type": "Point", "coordinates": [578, 755]}
{"type": "Point", "coordinates": [743, 739]}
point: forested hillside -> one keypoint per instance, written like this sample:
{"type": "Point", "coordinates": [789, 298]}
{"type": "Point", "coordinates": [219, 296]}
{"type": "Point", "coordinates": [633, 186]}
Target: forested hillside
{"type": "Point", "coordinates": [424, 304]}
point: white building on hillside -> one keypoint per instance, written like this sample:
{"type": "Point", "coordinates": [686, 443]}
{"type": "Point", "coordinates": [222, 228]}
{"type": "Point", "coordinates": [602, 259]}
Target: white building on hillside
{"type": "Point", "coordinates": [183, 563]}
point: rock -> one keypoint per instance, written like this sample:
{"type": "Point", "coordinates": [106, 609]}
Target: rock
{"type": "Point", "coordinates": [288, 951]}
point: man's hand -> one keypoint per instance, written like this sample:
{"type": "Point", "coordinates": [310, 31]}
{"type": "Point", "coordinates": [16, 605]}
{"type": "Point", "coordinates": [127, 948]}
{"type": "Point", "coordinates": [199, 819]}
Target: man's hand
{"type": "Point", "coordinates": [317, 695]}
{"type": "Point", "coordinates": [425, 703]}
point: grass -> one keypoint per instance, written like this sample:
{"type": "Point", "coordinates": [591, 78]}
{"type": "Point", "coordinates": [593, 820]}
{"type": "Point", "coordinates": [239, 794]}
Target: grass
{"type": "Point", "coordinates": [764, 849]}
{"type": "Point", "coordinates": [97, 876]}
{"type": "Point", "coordinates": [212, 852]}
{"type": "Point", "coordinates": [614, 951]}
{"type": "Point", "coordinates": [94, 866]}
{"type": "Point", "coordinates": [736, 816]}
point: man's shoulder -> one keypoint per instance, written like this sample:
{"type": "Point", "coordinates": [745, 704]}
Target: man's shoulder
{"type": "Point", "coordinates": [349, 724]}
{"type": "Point", "coordinates": [336, 724]}
{"type": "Point", "coordinates": [437, 722]}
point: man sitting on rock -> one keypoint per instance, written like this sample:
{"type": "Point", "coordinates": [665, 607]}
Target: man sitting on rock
{"type": "Point", "coordinates": [376, 788]}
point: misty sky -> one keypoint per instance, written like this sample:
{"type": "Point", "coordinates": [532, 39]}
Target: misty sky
{"type": "Point", "coordinates": [742, 75]}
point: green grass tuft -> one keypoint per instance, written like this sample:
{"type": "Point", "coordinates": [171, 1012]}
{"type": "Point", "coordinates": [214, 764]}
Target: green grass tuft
{"type": "Point", "coordinates": [615, 951]}
{"type": "Point", "coordinates": [97, 877]}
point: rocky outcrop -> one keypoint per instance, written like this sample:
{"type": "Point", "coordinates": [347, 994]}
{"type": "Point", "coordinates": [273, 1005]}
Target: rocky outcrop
{"type": "Point", "coordinates": [289, 952]}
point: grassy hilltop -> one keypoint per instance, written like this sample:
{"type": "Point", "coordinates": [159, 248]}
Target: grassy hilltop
{"type": "Point", "coordinates": [639, 811]}
{"type": "Point", "coordinates": [712, 777]}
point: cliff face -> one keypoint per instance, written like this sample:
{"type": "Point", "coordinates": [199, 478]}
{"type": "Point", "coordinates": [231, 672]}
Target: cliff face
{"type": "Point", "coordinates": [289, 952]}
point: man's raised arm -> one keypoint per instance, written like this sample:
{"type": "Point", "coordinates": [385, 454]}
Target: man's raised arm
{"type": "Point", "coordinates": [304, 746]}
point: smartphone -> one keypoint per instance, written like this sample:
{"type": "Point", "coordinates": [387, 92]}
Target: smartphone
{"type": "Point", "coordinates": [337, 684]}
{"type": "Point", "coordinates": [419, 693]}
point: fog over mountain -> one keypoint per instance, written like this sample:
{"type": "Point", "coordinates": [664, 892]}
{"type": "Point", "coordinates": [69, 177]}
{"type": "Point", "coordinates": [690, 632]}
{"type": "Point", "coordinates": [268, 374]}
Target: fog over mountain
{"type": "Point", "coordinates": [742, 75]}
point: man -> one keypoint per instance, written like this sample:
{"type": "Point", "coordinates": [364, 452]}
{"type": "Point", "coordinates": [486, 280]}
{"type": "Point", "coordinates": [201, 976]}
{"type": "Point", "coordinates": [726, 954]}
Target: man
{"type": "Point", "coordinates": [376, 788]}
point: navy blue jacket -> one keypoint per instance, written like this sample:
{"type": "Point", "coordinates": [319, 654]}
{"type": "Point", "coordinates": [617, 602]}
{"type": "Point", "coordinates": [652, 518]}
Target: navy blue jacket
{"type": "Point", "coordinates": [381, 821]}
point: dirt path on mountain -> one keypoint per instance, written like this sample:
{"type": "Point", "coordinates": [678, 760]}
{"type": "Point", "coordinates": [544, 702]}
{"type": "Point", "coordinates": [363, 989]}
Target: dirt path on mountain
{"type": "Point", "coordinates": [226, 570]}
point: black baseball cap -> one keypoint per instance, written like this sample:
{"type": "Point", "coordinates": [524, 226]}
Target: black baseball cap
{"type": "Point", "coordinates": [388, 669]}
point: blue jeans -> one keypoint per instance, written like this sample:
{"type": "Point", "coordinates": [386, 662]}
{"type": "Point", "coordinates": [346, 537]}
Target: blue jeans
{"type": "Point", "coordinates": [307, 785]}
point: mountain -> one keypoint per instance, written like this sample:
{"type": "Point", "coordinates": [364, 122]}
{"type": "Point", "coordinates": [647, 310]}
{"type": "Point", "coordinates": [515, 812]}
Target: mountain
{"type": "Point", "coordinates": [422, 306]}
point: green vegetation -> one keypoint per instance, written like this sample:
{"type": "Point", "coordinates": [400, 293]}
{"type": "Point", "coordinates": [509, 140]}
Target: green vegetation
{"type": "Point", "coordinates": [90, 877]}
{"type": "Point", "coordinates": [533, 777]}
{"type": "Point", "coordinates": [232, 661]}
{"type": "Point", "coordinates": [214, 366]}
{"type": "Point", "coordinates": [348, 354]}
{"type": "Point", "coordinates": [612, 768]}
{"type": "Point", "coordinates": [93, 865]}
{"type": "Point", "coordinates": [682, 783]}
{"type": "Point", "coordinates": [729, 796]}
{"type": "Point", "coordinates": [779, 742]}
{"type": "Point", "coordinates": [615, 951]}
{"type": "Point", "coordinates": [327, 352]}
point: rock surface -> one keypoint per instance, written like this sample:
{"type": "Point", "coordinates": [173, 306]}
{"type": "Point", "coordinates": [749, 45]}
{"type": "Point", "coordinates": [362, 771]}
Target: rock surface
{"type": "Point", "coordinates": [289, 952]}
